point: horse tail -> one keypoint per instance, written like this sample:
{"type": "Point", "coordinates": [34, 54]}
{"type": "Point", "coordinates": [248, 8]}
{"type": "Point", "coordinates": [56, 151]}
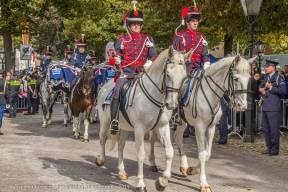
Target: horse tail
{"type": "Point", "coordinates": [112, 140]}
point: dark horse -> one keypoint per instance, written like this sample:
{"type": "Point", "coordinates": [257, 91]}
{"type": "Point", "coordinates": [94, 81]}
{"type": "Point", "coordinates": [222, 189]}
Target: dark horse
{"type": "Point", "coordinates": [81, 100]}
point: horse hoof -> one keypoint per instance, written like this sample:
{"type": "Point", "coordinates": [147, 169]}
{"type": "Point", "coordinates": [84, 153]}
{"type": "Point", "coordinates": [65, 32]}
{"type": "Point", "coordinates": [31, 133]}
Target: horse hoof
{"type": "Point", "coordinates": [153, 169]}
{"type": "Point", "coordinates": [97, 163]}
{"type": "Point", "coordinates": [65, 125]}
{"type": "Point", "coordinates": [76, 137]}
{"type": "Point", "coordinates": [158, 186]}
{"type": "Point", "coordinates": [44, 126]}
{"type": "Point", "coordinates": [49, 122]}
{"type": "Point", "coordinates": [189, 171]}
{"type": "Point", "coordinates": [123, 176]}
{"type": "Point", "coordinates": [184, 171]}
{"type": "Point", "coordinates": [113, 132]}
{"type": "Point", "coordinates": [86, 140]}
{"type": "Point", "coordinates": [141, 189]}
{"type": "Point", "coordinates": [205, 189]}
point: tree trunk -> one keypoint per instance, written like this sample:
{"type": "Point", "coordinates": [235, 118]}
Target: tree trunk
{"type": "Point", "coordinates": [228, 42]}
{"type": "Point", "coordinates": [9, 54]}
{"type": "Point", "coordinates": [7, 37]}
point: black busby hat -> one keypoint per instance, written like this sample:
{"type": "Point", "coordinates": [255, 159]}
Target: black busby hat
{"type": "Point", "coordinates": [271, 63]}
{"type": "Point", "coordinates": [68, 50]}
{"type": "Point", "coordinates": [133, 16]}
{"type": "Point", "coordinates": [48, 51]}
{"type": "Point", "coordinates": [93, 55]}
{"type": "Point", "coordinates": [81, 42]}
{"type": "Point", "coordinates": [1, 71]}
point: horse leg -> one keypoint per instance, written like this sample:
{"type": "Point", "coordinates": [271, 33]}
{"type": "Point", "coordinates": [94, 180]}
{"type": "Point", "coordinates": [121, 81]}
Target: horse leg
{"type": "Point", "coordinates": [122, 175]}
{"type": "Point", "coordinates": [66, 117]}
{"type": "Point", "coordinates": [79, 123]}
{"type": "Point", "coordinates": [51, 103]}
{"type": "Point", "coordinates": [201, 142]}
{"type": "Point", "coordinates": [75, 127]}
{"type": "Point", "coordinates": [162, 182]}
{"type": "Point", "coordinates": [139, 139]}
{"type": "Point", "coordinates": [44, 109]}
{"type": "Point", "coordinates": [178, 136]}
{"type": "Point", "coordinates": [104, 128]}
{"type": "Point", "coordinates": [95, 118]}
{"type": "Point", "coordinates": [210, 136]}
{"type": "Point", "coordinates": [86, 122]}
{"type": "Point", "coordinates": [152, 139]}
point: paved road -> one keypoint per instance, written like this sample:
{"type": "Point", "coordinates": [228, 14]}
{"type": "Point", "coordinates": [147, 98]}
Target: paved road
{"type": "Point", "coordinates": [37, 159]}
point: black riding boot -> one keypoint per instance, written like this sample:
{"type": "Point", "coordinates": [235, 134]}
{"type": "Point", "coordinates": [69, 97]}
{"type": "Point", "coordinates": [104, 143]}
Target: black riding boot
{"type": "Point", "coordinates": [114, 106]}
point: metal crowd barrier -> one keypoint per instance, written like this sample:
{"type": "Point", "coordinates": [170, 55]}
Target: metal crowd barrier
{"type": "Point", "coordinates": [258, 118]}
{"type": "Point", "coordinates": [22, 103]}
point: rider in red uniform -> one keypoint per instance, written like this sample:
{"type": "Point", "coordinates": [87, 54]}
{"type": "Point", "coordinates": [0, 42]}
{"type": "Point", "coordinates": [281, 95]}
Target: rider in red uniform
{"type": "Point", "coordinates": [190, 39]}
{"type": "Point", "coordinates": [133, 50]}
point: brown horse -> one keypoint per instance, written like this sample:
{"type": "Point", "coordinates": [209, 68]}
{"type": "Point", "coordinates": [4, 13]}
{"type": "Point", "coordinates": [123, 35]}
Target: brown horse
{"type": "Point", "coordinates": [81, 100]}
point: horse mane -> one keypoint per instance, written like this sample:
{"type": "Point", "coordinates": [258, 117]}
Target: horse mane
{"type": "Point", "coordinates": [243, 68]}
{"type": "Point", "coordinates": [159, 61]}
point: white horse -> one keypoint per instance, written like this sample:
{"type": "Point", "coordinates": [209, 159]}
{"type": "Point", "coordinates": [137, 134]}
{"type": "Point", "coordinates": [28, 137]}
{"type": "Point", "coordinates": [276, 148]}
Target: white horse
{"type": "Point", "coordinates": [203, 110]}
{"type": "Point", "coordinates": [156, 88]}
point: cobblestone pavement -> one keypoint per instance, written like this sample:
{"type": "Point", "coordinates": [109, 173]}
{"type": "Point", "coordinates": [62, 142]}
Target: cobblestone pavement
{"type": "Point", "coordinates": [48, 159]}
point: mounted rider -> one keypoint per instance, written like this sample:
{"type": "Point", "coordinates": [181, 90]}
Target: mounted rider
{"type": "Point", "coordinates": [43, 67]}
{"type": "Point", "coordinates": [132, 52]}
{"type": "Point", "coordinates": [93, 58]}
{"type": "Point", "coordinates": [80, 58]}
{"type": "Point", "coordinates": [190, 39]}
{"type": "Point", "coordinates": [68, 56]}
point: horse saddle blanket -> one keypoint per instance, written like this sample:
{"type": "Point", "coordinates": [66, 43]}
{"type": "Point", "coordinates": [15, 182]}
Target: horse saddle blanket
{"type": "Point", "coordinates": [126, 92]}
{"type": "Point", "coordinates": [103, 75]}
{"type": "Point", "coordinates": [61, 74]}
{"type": "Point", "coordinates": [187, 87]}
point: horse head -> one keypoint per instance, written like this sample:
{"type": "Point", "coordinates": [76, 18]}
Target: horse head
{"type": "Point", "coordinates": [240, 76]}
{"type": "Point", "coordinates": [175, 72]}
{"type": "Point", "coordinates": [87, 79]}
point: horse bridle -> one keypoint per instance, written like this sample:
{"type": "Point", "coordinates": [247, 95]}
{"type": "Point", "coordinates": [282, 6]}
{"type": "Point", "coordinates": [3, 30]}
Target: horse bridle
{"type": "Point", "coordinates": [231, 89]}
{"type": "Point", "coordinates": [80, 89]}
{"type": "Point", "coordinates": [164, 89]}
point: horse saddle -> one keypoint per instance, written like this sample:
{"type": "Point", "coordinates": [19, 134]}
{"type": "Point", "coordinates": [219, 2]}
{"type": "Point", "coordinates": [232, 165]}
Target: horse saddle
{"type": "Point", "coordinates": [127, 93]}
{"type": "Point", "coordinates": [187, 87]}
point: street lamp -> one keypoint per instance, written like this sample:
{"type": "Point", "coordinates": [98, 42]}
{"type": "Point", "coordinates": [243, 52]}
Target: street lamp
{"type": "Point", "coordinates": [251, 10]}
{"type": "Point", "coordinates": [2, 57]}
{"type": "Point", "coordinates": [259, 49]}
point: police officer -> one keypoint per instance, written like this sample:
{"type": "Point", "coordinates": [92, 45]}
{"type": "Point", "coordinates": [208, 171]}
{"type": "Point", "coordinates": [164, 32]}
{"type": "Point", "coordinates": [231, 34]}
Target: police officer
{"type": "Point", "coordinates": [43, 67]}
{"type": "Point", "coordinates": [93, 58]}
{"type": "Point", "coordinates": [69, 59]}
{"type": "Point", "coordinates": [12, 94]}
{"type": "Point", "coordinates": [2, 98]}
{"type": "Point", "coordinates": [31, 94]}
{"type": "Point", "coordinates": [133, 49]}
{"type": "Point", "coordinates": [191, 39]}
{"type": "Point", "coordinates": [272, 86]}
{"type": "Point", "coordinates": [81, 57]}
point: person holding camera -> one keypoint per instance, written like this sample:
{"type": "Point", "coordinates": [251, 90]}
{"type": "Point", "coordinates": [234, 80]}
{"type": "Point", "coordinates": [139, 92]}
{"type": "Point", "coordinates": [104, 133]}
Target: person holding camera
{"type": "Point", "coordinates": [272, 87]}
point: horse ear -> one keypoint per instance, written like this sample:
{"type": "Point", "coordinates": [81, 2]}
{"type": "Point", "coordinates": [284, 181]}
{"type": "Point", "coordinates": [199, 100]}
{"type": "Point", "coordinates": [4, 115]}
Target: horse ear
{"type": "Point", "coordinates": [188, 55]}
{"type": "Point", "coordinates": [237, 58]}
{"type": "Point", "coordinates": [171, 51]}
{"type": "Point", "coordinates": [251, 60]}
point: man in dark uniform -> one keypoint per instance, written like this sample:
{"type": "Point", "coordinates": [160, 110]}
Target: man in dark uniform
{"type": "Point", "coordinates": [12, 94]}
{"type": "Point", "coordinates": [31, 94]}
{"type": "Point", "coordinates": [43, 67]}
{"type": "Point", "coordinates": [191, 39]}
{"type": "Point", "coordinates": [81, 57]}
{"type": "Point", "coordinates": [93, 58]}
{"type": "Point", "coordinates": [223, 125]}
{"type": "Point", "coordinates": [69, 59]}
{"type": "Point", "coordinates": [2, 98]}
{"type": "Point", "coordinates": [272, 86]}
{"type": "Point", "coordinates": [133, 49]}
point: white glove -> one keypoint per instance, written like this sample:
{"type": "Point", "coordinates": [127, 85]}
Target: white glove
{"type": "Point", "coordinates": [77, 70]}
{"type": "Point", "coordinates": [117, 60]}
{"type": "Point", "coordinates": [147, 64]}
{"type": "Point", "coordinates": [206, 65]}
